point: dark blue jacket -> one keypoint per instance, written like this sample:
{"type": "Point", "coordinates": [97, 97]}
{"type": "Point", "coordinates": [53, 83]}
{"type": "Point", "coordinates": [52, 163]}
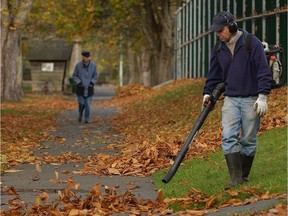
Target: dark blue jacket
{"type": "Point", "coordinates": [245, 74]}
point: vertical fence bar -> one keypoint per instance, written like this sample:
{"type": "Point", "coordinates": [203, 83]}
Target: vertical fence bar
{"type": "Point", "coordinates": [179, 41]}
{"type": "Point", "coordinates": [277, 24]}
{"type": "Point", "coordinates": [193, 50]}
{"type": "Point", "coordinates": [253, 20]}
{"type": "Point", "coordinates": [203, 40]}
{"type": "Point", "coordinates": [235, 8]}
{"type": "Point", "coordinates": [186, 38]}
{"type": "Point", "coordinates": [243, 14]}
{"type": "Point", "coordinates": [194, 34]}
{"type": "Point", "coordinates": [182, 40]}
{"type": "Point", "coordinates": [209, 36]}
{"type": "Point", "coordinates": [191, 36]}
{"type": "Point", "coordinates": [264, 22]}
{"type": "Point", "coordinates": [198, 41]}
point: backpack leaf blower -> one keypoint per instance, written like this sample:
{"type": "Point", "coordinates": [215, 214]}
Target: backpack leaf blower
{"type": "Point", "coordinates": [216, 93]}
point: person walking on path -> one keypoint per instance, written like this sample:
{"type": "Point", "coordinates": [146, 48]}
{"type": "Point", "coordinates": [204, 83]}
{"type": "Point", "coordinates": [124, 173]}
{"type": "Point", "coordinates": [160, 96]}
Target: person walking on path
{"type": "Point", "coordinates": [247, 79]}
{"type": "Point", "coordinates": [85, 76]}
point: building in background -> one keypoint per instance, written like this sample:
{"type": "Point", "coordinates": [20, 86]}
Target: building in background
{"type": "Point", "coordinates": [45, 65]}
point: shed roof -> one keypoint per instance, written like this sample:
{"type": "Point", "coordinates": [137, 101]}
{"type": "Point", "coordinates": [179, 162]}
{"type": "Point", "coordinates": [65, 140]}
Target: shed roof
{"type": "Point", "coordinates": [49, 50]}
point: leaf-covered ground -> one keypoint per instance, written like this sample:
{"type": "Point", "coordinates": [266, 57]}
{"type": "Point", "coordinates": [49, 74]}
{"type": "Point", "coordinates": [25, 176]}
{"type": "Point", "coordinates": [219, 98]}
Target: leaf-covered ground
{"type": "Point", "coordinates": [25, 124]}
{"type": "Point", "coordinates": [154, 124]}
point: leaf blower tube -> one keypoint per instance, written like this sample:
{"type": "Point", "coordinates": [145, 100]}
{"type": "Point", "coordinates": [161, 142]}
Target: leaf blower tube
{"type": "Point", "coordinates": [216, 93]}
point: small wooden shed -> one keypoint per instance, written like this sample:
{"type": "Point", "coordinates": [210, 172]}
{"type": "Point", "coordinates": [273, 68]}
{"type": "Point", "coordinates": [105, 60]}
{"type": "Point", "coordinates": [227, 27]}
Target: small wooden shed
{"type": "Point", "coordinates": [47, 63]}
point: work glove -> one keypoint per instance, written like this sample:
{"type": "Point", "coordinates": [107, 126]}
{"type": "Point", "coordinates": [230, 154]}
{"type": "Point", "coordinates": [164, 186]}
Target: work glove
{"type": "Point", "coordinates": [260, 106]}
{"type": "Point", "coordinates": [205, 100]}
{"type": "Point", "coordinates": [80, 84]}
{"type": "Point", "coordinates": [91, 84]}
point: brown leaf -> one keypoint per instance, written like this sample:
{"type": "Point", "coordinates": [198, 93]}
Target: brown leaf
{"type": "Point", "coordinates": [235, 202]}
{"type": "Point", "coordinates": [11, 191]}
{"type": "Point", "coordinates": [55, 212]}
{"type": "Point", "coordinates": [210, 202]}
{"type": "Point", "coordinates": [13, 171]}
{"type": "Point", "coordinates": [65, 171]}
{"type": "Point", "coordinates": [44, 196]}
{"type": "Point", "coordinates": [56, 175]}
{"type": "Point", "coordinates": [233, 193]}
{"type": "Point", "coordinates": [183, 182]}
{"type": "Point", "coordinates": [114, 171]}
{"type": "Point", "coordinates": [36, 178]}
{"type": "Point", "coordinates": [160, 196]}
{"type": "Point", "coordinates": [265, 196]}
{"type": "Point", "coordinates": [38, 168]}
{"type": "Point", "coordinates": [196, 212]}
{"type": "Point", "coordinates": [74, 212]}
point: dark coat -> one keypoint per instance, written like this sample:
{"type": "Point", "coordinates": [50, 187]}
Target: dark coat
{"type": "Point", "coordinates": [87, 77]}
{"type": "Point", "coordinates": [245, 74]}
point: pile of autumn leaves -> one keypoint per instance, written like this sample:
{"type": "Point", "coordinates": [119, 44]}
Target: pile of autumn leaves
{"type": "Point", "coordinates": [152, 138]}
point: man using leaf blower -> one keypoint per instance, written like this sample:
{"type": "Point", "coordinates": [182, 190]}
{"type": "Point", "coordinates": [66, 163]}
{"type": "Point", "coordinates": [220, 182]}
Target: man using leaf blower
{"type": "Point", "coordinates": [247, 79]}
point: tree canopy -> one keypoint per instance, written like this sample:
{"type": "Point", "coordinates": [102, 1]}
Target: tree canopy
{"type": "Point", "coordinates": [143, 29]}
{"type": "Point", "coordinates": [140, 26]}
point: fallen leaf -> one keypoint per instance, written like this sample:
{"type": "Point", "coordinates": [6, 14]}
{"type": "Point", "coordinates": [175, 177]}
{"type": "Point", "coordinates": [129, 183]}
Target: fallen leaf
{"type": "Point", "coordinates": [36, 178]}
{"type": "Point", "coordinates": [74, 212]}
{"type": "Point", "coordinates": [114, 171]}
{"type": "Point", "coordinates": [160, 196]}
{"type": "Point", "coordinates": [11, 191]}
{"type": "Point", "coordinates": [37, 200]}
{"type": "Point", "coordinates": [233, 193]}
{"type": "Point", "coordinates": [13, 171]}
{"type": "Point", "coordinates": [44, 196]}
{"type": "Point", "coordinates": [56, 175]}
{"type": "Point", "coordinates": [65, 171]}
{"type": "Point", "coordinates": [210, 202]}
{"type": "Point", "coordinates": [38, 168]}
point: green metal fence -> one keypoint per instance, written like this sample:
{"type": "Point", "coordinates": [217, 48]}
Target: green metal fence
{"type": "Point", "coordinates": [266, 19]}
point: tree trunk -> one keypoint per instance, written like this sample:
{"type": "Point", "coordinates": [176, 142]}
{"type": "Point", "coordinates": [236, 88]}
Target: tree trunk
{"type": "Point", "coordinates": [158, 30]}
{"type": "Point", "coordinates": [146, 69]}
{"type": "Point", "coordinates": [11, 55]}
{"type": "Point", "coordinates": [133, 70]}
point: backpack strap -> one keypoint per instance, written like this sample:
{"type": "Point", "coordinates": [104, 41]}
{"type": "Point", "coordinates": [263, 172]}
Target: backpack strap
{"type": "Point", "coordinates": [247, 38]}
{"type": "Point", "coordinates": [216, 48]}
{"type": "Point", "coordinates": [248, 42]}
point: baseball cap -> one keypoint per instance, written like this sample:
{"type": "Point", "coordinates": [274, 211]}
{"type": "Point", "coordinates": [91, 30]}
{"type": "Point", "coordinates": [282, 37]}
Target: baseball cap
{"type": "Point", "coordinates": [220, 20]}
{"type": "Point", "coordinates": [86, 54]}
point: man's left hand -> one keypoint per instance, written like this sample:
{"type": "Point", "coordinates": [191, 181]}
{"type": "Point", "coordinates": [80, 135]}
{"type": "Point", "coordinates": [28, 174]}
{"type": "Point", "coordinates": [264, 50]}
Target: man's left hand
{"type": "Point", "coordinates": [260, 105]}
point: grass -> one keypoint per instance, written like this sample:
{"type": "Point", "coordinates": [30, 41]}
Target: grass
{"type": "Point", "coordinates": [209, 174]}
{"type": "Point", "coordinates": [171, 113]}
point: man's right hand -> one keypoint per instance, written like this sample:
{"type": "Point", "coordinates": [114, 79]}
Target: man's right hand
{"type": "Point", "coordinates": [205, 100]}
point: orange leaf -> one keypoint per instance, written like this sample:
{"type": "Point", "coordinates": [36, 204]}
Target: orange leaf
{"type": "Point", "coordinates": [160, 196]}
{"type": "Point", "coordinates": [44, 196]}
{"type": "Point", "coordinates": [233, 193]}
{"type": "Point", "coordinates": [210, 202]}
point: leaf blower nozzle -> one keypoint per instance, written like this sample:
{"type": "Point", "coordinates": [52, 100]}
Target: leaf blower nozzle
{"type": "Point", "coordinates": [216, 93]}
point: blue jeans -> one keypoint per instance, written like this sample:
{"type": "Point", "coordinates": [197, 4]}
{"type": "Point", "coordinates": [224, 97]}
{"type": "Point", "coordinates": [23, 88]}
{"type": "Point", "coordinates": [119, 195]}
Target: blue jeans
{"type": "Point", "coordinates": [240, 125]}
{"type": "Point", "coordinates": [87, 104]}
